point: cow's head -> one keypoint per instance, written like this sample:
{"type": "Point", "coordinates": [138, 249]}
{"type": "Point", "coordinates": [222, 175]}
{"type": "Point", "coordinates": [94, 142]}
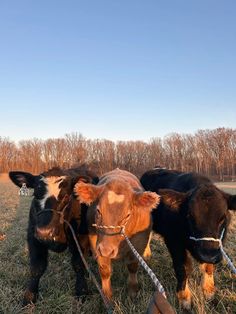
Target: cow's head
{"type": "Point", "coordinates": [52, 202]}
{"type": "Point", "coordinates": [116, 205]}
{"type": "Point", "coordinates": [206, 213]}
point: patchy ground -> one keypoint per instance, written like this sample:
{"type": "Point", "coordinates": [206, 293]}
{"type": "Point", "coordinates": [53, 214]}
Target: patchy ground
{"type": "Point", "coordinates": [56, 288]}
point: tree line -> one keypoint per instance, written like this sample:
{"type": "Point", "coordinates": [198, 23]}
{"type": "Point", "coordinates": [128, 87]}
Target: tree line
{"type": "Point", "coordinates": [210, 152]}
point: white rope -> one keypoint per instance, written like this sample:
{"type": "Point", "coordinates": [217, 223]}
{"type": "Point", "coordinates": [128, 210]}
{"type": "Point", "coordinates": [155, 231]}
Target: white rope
{"type": "Point", "coordinates": [209, 238]}
{"type": "Point", "coordinates": [136, 254]}
{"type": "Point", "coordinates": [145, 266]}
{"type": "Point", "coordinates": [107, 227]}
{"type": "Point", "coordinates": [228, 260]}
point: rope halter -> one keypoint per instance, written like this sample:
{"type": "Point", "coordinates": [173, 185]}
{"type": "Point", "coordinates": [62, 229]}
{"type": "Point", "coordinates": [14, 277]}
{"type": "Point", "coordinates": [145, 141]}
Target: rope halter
{"type": "Point", "coordinates": [228, 260]}
{"type": "Point", "coordinates": [210, 239]}
{"type": "Point", "coordinates": [149, 271]}
{"type": "Point", "coordinates": [102, 228]}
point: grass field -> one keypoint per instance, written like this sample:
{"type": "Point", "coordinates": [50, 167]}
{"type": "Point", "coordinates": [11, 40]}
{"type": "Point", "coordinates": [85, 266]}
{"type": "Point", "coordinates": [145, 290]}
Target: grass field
{"type": "Point", "coordinates": [57, 284]}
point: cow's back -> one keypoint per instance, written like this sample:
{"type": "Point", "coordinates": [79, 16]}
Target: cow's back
{"type": "Point", "coordinates": [123, 175]}
{"type": "Point", "coordinates": [171, 179]}
{"type": "Point", "coordinates": [158, 179]}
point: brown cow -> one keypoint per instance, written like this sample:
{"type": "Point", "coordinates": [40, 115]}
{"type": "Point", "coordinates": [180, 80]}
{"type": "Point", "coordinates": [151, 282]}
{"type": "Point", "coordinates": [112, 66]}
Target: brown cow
{"type": "Point", "coordinates": [118, 201]}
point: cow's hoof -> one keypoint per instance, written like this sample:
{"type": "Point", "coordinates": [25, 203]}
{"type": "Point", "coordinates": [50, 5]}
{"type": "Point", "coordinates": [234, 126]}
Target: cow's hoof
{"type": "Point", "coordinates": [184, 298]}
{"type": "Point", "coordinates": [29, 298]}
{"type": "Point", "coordinates": [81, 294]}
{"type": "Point", "coordinates": [81, 298]}
{"type": "Point", "coordinates": [209, 293]}
{"type": "Point", "coordinates": [133, 290]}
{"type": "Point", "coordinates": [110, 305]}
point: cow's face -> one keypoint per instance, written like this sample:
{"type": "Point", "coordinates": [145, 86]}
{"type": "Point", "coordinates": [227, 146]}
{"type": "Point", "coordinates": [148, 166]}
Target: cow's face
{"type": "Point", "coordinates": [114, 204]}
{"type": "Point", "coordinates": [52, 203]}
{"type": "Point", "coordinates": [206, 212]}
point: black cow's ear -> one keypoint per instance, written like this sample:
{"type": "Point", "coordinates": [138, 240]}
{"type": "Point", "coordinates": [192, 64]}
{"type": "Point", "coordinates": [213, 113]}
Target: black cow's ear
{"type": "Point", "coordinates": [20, 177]}
{"type": "Point", "coordinates": [171, 198]}
{"type": "Point", "coordinates": [85, 179]}
{"type": "Point", "coordinates": [231, 200]}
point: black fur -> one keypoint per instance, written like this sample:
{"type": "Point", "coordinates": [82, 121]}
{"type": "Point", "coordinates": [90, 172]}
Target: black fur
{"type": "Point", "coordinates": [190, 206]}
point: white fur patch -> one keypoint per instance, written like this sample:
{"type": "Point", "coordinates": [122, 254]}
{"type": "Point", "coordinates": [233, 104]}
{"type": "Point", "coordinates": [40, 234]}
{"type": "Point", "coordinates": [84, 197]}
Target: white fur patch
{"type": "Point", "coordinates": [115, 198]}
{"type": "Point", "coordinates": [52, 188]}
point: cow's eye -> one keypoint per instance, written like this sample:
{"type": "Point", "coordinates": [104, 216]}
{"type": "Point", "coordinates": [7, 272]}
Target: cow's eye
{"type": "Point", "coordinates": [99, 212]}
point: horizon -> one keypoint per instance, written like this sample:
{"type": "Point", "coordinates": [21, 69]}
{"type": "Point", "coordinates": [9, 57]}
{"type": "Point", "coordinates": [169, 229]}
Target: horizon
{"type": "Point", "coordinates": [115, 141]}
{"type": "Point", "coordinates": [116, 71]}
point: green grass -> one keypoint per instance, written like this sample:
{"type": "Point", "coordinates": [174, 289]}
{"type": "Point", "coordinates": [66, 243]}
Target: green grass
{"type": "Point", "coordinates": [57, 284]}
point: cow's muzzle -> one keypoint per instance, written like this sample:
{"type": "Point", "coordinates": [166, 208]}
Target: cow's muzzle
{"type": "Point", "coordinates": [210, 256]}
{"type": "Point", "coordinates": [107, 250]}
{"type": "Point", "coordinates": [46, 233]}
{"type": "Point", "coordinates": [208, 249]}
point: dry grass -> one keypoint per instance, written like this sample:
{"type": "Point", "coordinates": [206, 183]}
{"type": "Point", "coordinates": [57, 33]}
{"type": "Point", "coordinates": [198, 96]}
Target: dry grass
{"type": "Point", "coordinates": [57, 285]}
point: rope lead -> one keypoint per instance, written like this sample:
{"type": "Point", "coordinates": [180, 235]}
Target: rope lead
{"type": "Point", "coordinates": [145, 266]}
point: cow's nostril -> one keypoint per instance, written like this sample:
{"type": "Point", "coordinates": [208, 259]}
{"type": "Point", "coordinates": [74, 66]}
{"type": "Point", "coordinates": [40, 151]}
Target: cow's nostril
{"type": "Point", "coordinates": [106, 251]}
{"type": "Point", "coordinates": [44, 233]}
{"type": "Point", "coordinates": [211, 258]}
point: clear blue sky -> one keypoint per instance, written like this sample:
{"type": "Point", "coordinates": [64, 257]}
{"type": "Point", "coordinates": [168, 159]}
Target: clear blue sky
{"type": "Point", "coordinates": [116, 69]}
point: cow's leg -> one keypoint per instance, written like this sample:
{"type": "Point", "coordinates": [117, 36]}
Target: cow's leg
{"type": "Point", "coordinates": [208, 280]}
{"type": "Point", "coordinates": [81, 287]}
{"type": "Point", "coordinates": [147, 252]}
{"type": "Point", "coordinates": [105, 270]}
{"type": "Point", "coordinates": [183, 266]}
{"type": "Point", "coordinates": [85, 244]}
{"type": "Point", "coordinates": [93, 244]}
{"type": "Point", "coordinates": [132, 280]}
{"type": "Point", "coordinates": [104, 265]}
{"type": "Point", "coordinates": [38, 254]}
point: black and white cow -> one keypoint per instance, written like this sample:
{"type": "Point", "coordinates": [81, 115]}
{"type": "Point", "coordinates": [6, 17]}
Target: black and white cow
{"type": "Point", "coordinates": [53, 202]}
{"type": "Point", "coordinates": [192, 216]}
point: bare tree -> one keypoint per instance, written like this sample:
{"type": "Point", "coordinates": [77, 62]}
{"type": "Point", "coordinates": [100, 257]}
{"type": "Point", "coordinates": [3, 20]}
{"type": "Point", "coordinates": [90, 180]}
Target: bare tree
{"type": "Point", "coordinates": [210, 152]}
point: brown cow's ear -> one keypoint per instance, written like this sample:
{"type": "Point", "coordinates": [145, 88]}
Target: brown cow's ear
{"type": "Point", "coordinates": [87, 193]}
{"type": "Point", "coordinates": [146, 200]}
{"type": "Point", "coordinates": [231, 200]}
{"type": "Point", "coordinates": [171, 198]}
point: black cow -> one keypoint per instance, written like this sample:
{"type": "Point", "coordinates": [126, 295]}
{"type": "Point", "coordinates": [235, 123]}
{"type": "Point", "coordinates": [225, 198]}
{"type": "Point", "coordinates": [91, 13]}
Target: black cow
{"type": "Point", "coordinates": [53, 201]}
{"type": "Point", "coordinates": [191, 206]}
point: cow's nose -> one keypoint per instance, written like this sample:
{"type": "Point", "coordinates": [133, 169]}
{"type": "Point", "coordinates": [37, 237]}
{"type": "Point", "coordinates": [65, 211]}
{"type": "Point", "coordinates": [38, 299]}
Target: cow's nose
{"type": "Point", "coordinates": [106, 250]}
{"type": "Point", "coordinates": [211, 257]}
{"type": "Point", "coordinates": [44, 232]}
